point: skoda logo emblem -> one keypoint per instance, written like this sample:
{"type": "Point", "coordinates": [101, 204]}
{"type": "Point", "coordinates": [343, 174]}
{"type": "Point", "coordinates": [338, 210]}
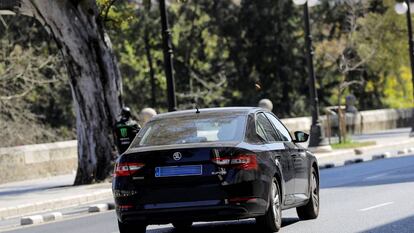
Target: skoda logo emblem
{"type": "Point", "coordinates": [177, 156]}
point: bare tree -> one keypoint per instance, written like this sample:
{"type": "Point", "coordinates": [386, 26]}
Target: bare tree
{"type": "Point", "coordinates": [27, 65]}
{"type": "Point", "coordinates": [94, 77]}
{"type": "Point", "coordinates": [201, 88]}
{"type": "Point", "coordinates": [347, 58]}
{"type": "Point", "coordinates": [23, 71]}
{"type": "Point", "coordinates": [348, 61]}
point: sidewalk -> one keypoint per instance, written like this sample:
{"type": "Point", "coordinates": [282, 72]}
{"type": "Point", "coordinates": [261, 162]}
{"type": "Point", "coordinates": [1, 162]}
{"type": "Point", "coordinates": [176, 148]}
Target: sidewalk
{"type": "Point", "coordinates": [389, 143]}
{"type": "Point", "coordinates": [34, 196]}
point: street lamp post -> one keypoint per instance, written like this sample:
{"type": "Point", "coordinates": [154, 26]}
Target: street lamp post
{"type": "Point", "coordinates": [168, 57]}
{"type": "Point", "coordinates": [405, 8]}
{"type": "Point", "coordinates": [317, 139]}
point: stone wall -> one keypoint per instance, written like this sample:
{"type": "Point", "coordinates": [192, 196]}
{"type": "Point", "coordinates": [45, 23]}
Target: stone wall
{"type": "Point", "coordinates": [37, 161]}
{"type": "Point", "coordinates": [363, 122]}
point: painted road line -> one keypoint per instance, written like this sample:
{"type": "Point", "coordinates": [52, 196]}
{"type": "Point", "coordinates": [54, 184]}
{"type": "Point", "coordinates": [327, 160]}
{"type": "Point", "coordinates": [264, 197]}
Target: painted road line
{"type": "Point", "coordinates": [376, 206]}
{"type": "Point", "coordinates": [377, 176]}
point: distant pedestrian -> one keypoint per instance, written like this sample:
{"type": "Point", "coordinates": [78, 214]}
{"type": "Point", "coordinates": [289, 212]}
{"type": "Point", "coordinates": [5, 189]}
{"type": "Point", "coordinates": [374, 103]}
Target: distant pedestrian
{"type": "Point", "coordinates": [350, 104]}
{"type": "Point", "coordinates": [125, 130]}
{"type": "Point", "coordinates": [266, 104]}
{"type": "Point", "coordinates": [146, 115]}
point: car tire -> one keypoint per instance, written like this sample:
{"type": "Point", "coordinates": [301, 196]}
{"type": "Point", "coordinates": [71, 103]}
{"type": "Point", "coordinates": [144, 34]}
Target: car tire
{"type": "Point", "coordinates": [272, 220]}
{"type": "Point", "coordinates": [182, 226]}
{"type": "Point", "coordinates": [132, 227]}
{"type": "Point", "coordinates": [311, 209]}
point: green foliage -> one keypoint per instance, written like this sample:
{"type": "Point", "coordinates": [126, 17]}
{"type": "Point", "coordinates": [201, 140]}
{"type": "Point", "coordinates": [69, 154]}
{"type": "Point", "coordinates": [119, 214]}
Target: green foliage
{"type": "Point", "coordinates": [135, 33]}
{"type": "Point", "coordinates": [268, 49]}
{"type": "Point", "coordinates": [235, 54]}
{"type": "Point", "coordinates": [200, 55]}
{"type": "Point", "coordinates": [223, 51]}
{"type": "Point", "coordinates": [349, 144]}
{"type": "Point", "coordinates": [226, 53]}
{"type": "Point", "coordinates": [378, 42]}
{"type": "Point", "coordinates": [386, 33]}
{"type": "Point", "coordinates": [398, 90]}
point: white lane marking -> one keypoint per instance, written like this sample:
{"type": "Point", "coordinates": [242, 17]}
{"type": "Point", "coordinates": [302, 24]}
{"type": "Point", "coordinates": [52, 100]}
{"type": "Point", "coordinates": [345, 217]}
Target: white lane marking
{"type": "Point", "coordinates": [376, 176]}
{"type": "Point", "coordinates": [377, 206]}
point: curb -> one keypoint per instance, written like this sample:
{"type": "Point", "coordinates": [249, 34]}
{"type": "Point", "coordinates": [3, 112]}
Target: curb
{"type": "Point", "coordinates": [359, 155]}
{"type": "Point", "coordinates": [52, 216]}
{"type": "Point", "coordinates": [30, 220]}
{"type": "Point", "coordinates": [408, 146]}
{"type": "Point", "coordinates": [353, 161]}
{"type": "Point", "coordinates": [55, 216]}
{"type": "Point", "coordinates": [385, 155]}
{"type": "Point", "coordinates": [55, 204]}
{"type": "Point", "coordinates": [38, 219]}
{"type": "Point", "coordinates": [101, 207]}
{"type": "Point", "coordinates": [327, 166]}
{"type": "Point", "coordinates": [400, 153]}
{"type": "Point", "coordinates": [393, 146]}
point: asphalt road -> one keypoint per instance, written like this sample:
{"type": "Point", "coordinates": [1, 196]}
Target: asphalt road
{"type": "Point", "coordinates": [375, 196]}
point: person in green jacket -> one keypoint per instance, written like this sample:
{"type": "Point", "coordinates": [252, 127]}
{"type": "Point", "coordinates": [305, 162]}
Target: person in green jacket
{"type": "Point", "coordinates": [125, 130]}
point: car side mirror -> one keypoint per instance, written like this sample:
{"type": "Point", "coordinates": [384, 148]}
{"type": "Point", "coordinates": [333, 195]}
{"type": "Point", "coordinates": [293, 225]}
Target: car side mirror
{"type": "Point", "coordinates": [301, 137]}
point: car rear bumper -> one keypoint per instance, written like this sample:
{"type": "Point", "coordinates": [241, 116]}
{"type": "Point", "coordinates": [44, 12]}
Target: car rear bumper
{"type": "Point", "coordinates": [194, 214]}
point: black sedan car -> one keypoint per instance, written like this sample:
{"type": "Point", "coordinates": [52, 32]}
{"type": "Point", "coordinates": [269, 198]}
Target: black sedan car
{"type": "Point", "coordinates": [212, 165]}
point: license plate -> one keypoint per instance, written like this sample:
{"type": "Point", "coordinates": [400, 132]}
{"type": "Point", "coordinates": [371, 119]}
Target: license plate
{"type": "Point", "coordinates": [194, 170]}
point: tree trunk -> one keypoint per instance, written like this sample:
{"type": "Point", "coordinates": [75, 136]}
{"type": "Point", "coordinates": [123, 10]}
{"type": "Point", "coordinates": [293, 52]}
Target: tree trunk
{"type": "Point", "coordinates": [94, 75]}
{"type": "Point", "coordinates": [341, 119]}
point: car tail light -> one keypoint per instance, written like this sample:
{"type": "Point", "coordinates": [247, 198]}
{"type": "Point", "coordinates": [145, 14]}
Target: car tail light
{"type": "Point", "coordinates": [243, 162]}
{"type": "Point", "coordinates": [127, 169]}
{"type": "Point", "coordinates": [125, 207]}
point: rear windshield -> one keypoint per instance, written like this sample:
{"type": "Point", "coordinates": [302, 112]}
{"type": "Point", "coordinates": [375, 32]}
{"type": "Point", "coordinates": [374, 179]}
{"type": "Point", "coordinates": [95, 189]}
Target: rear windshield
{"type": "Point", "coordinates": [192, 129]}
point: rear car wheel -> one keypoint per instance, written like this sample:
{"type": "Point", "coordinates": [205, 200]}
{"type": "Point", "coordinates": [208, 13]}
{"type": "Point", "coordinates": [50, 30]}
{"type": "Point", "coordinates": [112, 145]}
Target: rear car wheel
{"type": "Point", "coordinates": [182, 225]}
{"type": "Point", "coordinates": [272, 220]}
{"type": "Point", "coordinates": [132, 227]}
{"type": "Point", "coordinates": [311, 210]}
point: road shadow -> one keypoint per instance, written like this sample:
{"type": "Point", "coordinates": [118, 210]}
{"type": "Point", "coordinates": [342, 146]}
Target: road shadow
{"type": "Point", "coordinates": [405, 225]}
{"type": "Point", "coordinates": [247, 226]}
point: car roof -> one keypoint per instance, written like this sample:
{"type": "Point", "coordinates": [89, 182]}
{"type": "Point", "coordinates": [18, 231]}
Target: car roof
{"type": "Point", "coordinates": [209, 111]}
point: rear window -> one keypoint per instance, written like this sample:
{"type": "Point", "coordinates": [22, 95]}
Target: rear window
{"type": "Point", "coordinates": [192, 129]}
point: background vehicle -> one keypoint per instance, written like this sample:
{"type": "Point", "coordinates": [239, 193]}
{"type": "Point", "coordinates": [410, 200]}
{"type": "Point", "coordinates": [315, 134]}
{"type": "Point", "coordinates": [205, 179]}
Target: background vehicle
{"type": "Point", "coordinates": [218, 164]}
